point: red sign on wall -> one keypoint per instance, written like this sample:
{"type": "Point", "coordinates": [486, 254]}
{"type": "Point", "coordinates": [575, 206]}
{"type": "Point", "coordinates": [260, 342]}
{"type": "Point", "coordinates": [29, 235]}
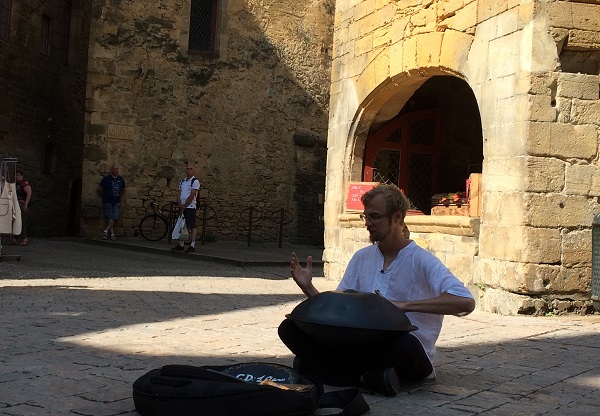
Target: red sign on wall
{"type": "Point", "coordinates": [355, 191]}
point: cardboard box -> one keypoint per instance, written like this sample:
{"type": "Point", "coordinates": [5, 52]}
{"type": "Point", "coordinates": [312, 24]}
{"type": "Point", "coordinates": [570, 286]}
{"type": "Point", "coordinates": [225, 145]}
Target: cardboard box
{"type": "Point", "coordinates": [474, 195]}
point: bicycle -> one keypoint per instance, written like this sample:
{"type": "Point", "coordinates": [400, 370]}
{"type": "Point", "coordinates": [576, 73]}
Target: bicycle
{"type": "Point", "coordinates": [155, 226]}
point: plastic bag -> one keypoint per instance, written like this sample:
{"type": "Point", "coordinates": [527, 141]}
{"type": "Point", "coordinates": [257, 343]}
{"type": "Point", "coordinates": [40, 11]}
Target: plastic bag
{"type": "Point", "coordinates": [180, 230]}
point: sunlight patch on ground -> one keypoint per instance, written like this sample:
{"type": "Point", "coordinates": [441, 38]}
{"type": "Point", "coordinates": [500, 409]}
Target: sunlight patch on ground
{"type": "Point", "coordinates": [220, 334]}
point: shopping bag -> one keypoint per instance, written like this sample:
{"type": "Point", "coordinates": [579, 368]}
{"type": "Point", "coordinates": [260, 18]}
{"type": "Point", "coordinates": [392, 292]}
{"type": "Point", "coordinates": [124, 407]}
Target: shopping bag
{"type": "Point", "coordinates": [180, 230]}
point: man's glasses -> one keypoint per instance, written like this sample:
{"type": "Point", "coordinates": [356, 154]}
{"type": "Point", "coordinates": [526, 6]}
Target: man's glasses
{"type": "Point", "coordinates": [374, 217]}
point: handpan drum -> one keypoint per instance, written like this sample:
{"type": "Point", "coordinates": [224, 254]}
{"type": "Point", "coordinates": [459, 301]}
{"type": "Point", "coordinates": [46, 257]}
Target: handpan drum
{"type": "Point", "coordinates": [349, 316]}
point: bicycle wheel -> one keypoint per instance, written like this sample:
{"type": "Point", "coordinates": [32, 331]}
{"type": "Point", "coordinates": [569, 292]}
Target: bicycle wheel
{"type": "Point", "coordinates": [153, 227]}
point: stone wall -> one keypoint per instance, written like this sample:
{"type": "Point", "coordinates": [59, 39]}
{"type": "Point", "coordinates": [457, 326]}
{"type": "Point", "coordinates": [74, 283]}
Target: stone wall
{"type": "Point", "coordinates": [253, 118]}
{"type": "Point", "coordinates": [42, 108]}
{"type": "Point", "coordinates": [533, 68]}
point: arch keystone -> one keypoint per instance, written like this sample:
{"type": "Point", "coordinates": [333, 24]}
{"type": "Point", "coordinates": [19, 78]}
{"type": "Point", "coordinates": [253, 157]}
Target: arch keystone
{"type": "Point", "coordinates": [429, 47]}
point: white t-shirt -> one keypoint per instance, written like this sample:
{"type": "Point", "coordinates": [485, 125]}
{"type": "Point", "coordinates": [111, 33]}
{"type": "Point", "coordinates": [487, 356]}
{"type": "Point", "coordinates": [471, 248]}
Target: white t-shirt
{"type": "Point", "coordinates": [185, 189]}
{"type": "Point", "coordinates": [415, 274]}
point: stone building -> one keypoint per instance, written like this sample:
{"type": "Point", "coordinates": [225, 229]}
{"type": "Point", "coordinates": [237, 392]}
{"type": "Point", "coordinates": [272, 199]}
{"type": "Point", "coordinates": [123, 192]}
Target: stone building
{"type": "Point", "coordinates": [43, 63]}
{"type": "Point", "coordinates": [240, 87]}
{"type": "Point", "coordinates": [422, 93]}
{"type": "Point", "coordinates": [425, 93]}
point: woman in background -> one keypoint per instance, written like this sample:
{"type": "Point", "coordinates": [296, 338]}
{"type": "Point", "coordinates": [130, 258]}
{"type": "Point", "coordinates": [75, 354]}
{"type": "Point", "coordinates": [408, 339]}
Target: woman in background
{"type": "Point", "coordinates": [24, 197]}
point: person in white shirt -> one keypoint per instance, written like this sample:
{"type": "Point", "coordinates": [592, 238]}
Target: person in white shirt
{"type": "Point", "coordinates": [188, 190]}
{"type": "Point", "coordinates": [410, 277]}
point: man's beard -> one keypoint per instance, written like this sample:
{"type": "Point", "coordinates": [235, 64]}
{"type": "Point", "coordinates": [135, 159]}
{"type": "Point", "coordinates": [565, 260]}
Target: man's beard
{"type": "Point", "coordinates": [373, 238]}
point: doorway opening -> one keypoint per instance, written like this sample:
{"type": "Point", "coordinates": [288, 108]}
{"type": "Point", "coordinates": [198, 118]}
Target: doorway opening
{"type": "Point", "coordinates": [431, 146]}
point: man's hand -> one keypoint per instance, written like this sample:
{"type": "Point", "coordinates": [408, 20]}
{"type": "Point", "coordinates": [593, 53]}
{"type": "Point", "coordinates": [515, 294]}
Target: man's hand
{"type": "Point", "coordinates": [303, 275]}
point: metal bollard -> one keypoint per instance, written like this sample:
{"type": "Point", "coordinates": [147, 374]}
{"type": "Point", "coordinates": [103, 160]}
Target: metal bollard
{"type": "Point", "coordinates": [596, 262]}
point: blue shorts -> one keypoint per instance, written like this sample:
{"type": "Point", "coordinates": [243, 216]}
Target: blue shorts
{"type": "Point", "coordinates": [111, 211]}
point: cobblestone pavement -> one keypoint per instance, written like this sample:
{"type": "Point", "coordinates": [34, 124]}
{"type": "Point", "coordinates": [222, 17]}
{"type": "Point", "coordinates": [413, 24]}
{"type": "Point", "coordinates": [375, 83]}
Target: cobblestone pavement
{"type": "Point", "coordinates": [79, 323]}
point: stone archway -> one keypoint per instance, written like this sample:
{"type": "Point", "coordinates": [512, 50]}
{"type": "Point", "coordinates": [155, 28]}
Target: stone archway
{"type": "Point", "coordinates": [461, 152]}
{"type": "Point", "coordinates": [461, 141]}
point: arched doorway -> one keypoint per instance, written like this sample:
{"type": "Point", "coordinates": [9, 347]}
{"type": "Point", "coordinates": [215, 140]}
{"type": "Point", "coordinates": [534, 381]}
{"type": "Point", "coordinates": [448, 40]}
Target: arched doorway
{"type": "Point", "coordinates": [431, 146]}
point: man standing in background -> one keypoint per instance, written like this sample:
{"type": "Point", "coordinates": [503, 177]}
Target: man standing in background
{"type": "Point", "coordinates": [111, 188]}
{"type": "Point", "coordinates": [188, 191]}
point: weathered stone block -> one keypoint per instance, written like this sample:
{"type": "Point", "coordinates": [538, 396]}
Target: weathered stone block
{"type": "Point", "coordinates": [508, 22]}
{"type": "Point", "coordinates": [459, 264]}
{"type": "Point", "coordinates": [506, 208]}
{"type": "Point", "coordinates": [400, 29]}
{"type": "Point", "coordinates": [449, 244]}
{"type": "Point", "coordinates": [564, 107]}
{"type": "Point", "coordinates": [506, 140]}
{"type": "Point", "coordinates": [583, 39]}
{"type": "Point", "coordinates": [449, 7]}
{"type": "Point", "coordinates": [374, 74]}
{"type": "Point", "coordinates": [382, 37]}
{"type": "Point", "coordinates": [577, 248]}
{"type": "Point", "coordinates": [409, 53]}
{"type": "Point", "coordinates": [429, 46]}
{"type": "Point", "coordinates": [364, 8]}
{"type": "Point", "coordinates": [585, 112]}
{"type": "Point", "coordinates": [516, 277]}
{"type": "Point", "coordinates": [397, 58]}
{"type": "Point", "coordinates": [555, 139]}
{"type": "Point", "coordinates": [357, 64]}
{"type": "Point", "coordinates": [504, 52]}
{"type": "Point", "coordinates": [487, 9]}
{"type": "Point", "coordinates": [582, 180]}
{"type": "Point", "coordinates": [582, 86]}
{"type": "Point", "coordinates": [585, 16]}
{"type": "Point", "coordinates": [540, 83]}
{"type": "Point", "coordinates": [544, 174]}
{"type": "Point", "coordinates": [527, 12]}
{"type": "Point", "coordinates": [363, 44]}
{"type": "Point", "coordinates": [572, 281]}
{"type": "Point", "coordinates": [560, 14]}
{"type": "Point", "coordinates": [450, 225]}
{"type": "Point", "coordinates": [455, 49]}
{"type": "Point", "coordinates": [541, 109]}
{"type": "Point", "coordinates": [464, 19]}
{"type": "Point", "coordinates": [506, 303]}
{"type": "Point", "coordinates": [527, 244]}
{"type": "Point", "coordinates": [506, 87]}
{"type": "Point", "coordinates": [423, 21]}
{"type": "Point", "coordinates": [505, 174]}
{"type": "Point", "coordinates": [548, 210]}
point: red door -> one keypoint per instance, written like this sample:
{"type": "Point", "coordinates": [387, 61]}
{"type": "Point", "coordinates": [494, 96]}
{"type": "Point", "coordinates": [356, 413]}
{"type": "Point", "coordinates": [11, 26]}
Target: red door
{"type": "Point", "coordinates": [405, 152]}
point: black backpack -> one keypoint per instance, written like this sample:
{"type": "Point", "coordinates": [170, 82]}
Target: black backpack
{"type": "Point", "coordinates": [249, 389]}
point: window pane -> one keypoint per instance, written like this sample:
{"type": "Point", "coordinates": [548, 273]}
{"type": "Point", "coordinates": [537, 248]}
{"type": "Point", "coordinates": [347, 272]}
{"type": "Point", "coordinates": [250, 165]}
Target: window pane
{"type": "Point", "coordinates": [423, 132]}
{"type": "Point", "coordinates": [46, 23]}
{"type": "Point", "coordinates": [419, 182]}
{"type": "Point", "coordinates": [202, 20]}
{"type": "Point", "coordinates": [4, 19]}
{"type": "Point", "coordinates": [386, 168]}
{"type": "Point", "coordinates": [395, 137]}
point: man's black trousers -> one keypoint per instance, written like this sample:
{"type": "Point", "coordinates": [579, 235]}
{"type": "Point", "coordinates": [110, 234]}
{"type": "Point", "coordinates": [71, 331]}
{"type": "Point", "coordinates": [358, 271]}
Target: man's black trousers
{"type": "Point", "coordinates": [340, 363]}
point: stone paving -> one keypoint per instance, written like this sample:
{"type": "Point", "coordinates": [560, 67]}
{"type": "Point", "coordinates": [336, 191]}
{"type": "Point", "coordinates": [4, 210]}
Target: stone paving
{"type": "Point", "coordinates": [75, 338]}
